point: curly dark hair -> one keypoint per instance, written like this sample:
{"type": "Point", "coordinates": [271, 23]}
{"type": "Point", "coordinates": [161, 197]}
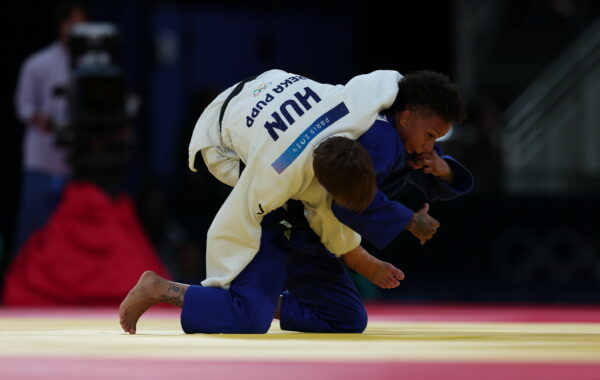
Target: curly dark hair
{"type": "Point", "coordinates": [432, 92]}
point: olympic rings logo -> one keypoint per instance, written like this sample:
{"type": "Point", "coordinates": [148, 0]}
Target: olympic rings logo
{"type": "Point", "coordinates": [261, 88]}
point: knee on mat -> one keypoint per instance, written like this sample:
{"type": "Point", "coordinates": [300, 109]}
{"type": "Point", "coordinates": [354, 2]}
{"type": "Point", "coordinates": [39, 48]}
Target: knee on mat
{"type": "Point", "coordinates": [259, 327]}
{"type": "Point", "coordinates": [252, 324]}
{"type": "Point", "coordinates": [354, 321]}
{"type": "Point", "coordinates": [239, 326]}
{"type": "Point", "coordinates": [361, 320]}
{"type": "Point", "coordinates": [253, 321]}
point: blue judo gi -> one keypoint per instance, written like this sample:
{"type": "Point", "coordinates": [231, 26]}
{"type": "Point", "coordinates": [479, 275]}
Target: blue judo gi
{"type": "Point", "coordinates": [317, 292]}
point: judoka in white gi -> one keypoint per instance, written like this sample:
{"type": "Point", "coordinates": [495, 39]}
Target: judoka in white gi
{"type": "Point", "coordinates": [270, 126]}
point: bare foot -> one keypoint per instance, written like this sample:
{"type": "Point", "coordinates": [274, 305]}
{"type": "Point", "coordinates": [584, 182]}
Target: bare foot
{"type": "Point", "coordinates": [138, 300]}
{"type": "Point", "coordinates": [149, 290]}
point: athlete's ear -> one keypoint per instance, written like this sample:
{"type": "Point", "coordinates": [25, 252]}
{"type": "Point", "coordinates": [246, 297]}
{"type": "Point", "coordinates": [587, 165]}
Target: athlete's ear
{"type": "Point", "coordinates": [404, 117]}
{"type": "Point", "coordinates": [401, 119]}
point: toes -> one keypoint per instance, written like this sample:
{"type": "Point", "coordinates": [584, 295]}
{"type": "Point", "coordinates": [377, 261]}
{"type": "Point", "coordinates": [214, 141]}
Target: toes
{"type": "Point", "coordinates": [126, 326]}
{"type": "Point", "coordinates": [129, 328]}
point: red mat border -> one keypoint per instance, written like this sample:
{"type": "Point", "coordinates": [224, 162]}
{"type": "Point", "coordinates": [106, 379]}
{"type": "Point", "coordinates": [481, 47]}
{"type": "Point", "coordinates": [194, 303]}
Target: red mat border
{"type": "Point", "coordinates": [101, 368]}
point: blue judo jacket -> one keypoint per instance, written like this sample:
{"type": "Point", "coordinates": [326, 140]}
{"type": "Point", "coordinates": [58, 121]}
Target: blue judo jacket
{"type": "Point", "coordinates": [384, 219]}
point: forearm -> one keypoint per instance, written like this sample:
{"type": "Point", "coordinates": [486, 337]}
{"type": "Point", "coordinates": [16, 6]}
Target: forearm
{"type": "Point", "coordinates": [380, 223]}
{"type": "Point", "coordinates": [27, 94]}
{"type": "Point", "coordinates": [362, 262]}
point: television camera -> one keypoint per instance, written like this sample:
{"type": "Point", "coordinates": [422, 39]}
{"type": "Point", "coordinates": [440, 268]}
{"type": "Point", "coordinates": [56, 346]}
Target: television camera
{"type": "Point", "coordinates": [98, 134]}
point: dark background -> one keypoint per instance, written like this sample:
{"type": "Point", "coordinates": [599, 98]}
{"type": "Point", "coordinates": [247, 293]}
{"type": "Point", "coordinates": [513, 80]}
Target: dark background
{"type": "Point", "coordinates": [492, 246]}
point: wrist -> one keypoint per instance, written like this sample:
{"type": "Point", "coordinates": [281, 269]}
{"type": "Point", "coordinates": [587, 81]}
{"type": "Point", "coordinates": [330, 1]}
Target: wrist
{"type": "Point", "coordinates": [352, 257]}
{"type": "Point", "coordinates": [411, 223]}
{"type": "Point", "coordinates": [367, 266]}
{"type": "Point", "coordinates": [449, 175]}
{"type": "Point", "coordinates": [360, 261]}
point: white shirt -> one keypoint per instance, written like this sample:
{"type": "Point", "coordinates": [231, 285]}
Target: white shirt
{"type": "Point", "coordinates": [40, 75]}
{"type": "Point", "coordinates": [273, 126]}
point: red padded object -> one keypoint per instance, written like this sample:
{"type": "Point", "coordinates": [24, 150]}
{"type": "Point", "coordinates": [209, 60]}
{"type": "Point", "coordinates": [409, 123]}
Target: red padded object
{"type": "Point", "coordinates": [91, 252]}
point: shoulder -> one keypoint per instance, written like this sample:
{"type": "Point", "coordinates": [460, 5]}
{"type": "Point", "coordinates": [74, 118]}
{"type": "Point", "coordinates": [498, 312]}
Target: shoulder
{"type": "Point", "coordinates": [381, 135]}
{"type": "Point", "coordinates": [40, 58]}
{"type": "Point", "coordinates": [377, 76]}
{"type": "Point", "coordinates": [383, 144]}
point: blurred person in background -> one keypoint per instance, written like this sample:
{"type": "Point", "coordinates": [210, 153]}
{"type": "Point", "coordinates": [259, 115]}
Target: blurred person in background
{"type": "Point", "coordinates": [42, 111]}
{"type": "Point", "coordinates": [94, 227]}
{"type": "Point", "coordinates": [257, 248]}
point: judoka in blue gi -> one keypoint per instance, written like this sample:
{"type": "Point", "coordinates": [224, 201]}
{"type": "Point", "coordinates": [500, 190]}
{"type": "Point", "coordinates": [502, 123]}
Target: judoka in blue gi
{"type": "Point", "coordinates": [274, 248]}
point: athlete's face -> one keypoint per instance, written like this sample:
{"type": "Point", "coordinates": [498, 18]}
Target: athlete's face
{"type": "Point", "coordinates": [419, 130]}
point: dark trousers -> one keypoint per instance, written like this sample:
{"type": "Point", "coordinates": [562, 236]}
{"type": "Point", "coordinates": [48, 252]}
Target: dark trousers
{"type": "Point", "coordinates": [317, 292]}
{"type": "Point", "coordinates": [40, 194]}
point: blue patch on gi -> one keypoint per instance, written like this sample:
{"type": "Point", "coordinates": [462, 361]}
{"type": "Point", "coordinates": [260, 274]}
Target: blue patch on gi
{"type": "Point", "coordinates": [318, 126]}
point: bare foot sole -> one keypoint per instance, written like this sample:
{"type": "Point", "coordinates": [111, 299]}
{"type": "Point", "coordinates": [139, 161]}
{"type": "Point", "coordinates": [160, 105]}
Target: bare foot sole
{"type": "Point", "coordinates": [138, 300]}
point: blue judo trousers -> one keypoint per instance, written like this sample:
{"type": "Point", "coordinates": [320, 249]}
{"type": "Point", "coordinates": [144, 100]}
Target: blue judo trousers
{"type": "Point", "coordinates": [318, 294]}
{"type": "Point", "coordinates": [40, 195]}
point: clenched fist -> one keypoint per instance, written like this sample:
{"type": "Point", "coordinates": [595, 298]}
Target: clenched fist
{"type": "Point", "coordinates": [423, 225]}
{"type": "Point", "coordinates": [433, 164]}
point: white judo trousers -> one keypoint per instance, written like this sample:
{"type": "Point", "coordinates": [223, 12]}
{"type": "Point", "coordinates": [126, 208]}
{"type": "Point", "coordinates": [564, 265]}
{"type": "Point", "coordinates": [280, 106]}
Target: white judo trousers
{"type": "Point", "coordinates": [273, 126]}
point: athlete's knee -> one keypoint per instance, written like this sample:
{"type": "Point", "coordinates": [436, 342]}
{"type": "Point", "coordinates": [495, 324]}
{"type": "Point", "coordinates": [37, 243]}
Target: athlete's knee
{"type": "Point", "coordinates": [256, 319]}
{"type": "Point", "coordinates": [362, 321]}
{"type": "Point", "coordinates": [354, 321]}
{"type": "Point", "coordinates": [259, 326]}
{"type": "Point", "coordinates": [252, 319]}
{"type": "Point", "coordinates": [234, 324]}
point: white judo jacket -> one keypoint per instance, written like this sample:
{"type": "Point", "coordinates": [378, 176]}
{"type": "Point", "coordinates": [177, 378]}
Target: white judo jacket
{"type": "Point", "coordinates": [273, 126]}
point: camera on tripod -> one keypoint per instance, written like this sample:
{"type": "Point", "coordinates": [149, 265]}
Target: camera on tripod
{"type": "Point", "coordinates": [99, 133]}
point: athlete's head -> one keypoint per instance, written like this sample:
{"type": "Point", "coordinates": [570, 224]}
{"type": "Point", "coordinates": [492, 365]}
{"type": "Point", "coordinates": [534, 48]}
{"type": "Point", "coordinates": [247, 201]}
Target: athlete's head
{"type": "Point", "coordinates": [345, 170]}
{"type": "Point", "coordinates": [426, 106]}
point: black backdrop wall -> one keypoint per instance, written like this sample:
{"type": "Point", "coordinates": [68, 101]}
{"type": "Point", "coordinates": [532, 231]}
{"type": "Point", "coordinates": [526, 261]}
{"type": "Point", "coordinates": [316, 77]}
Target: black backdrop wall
{"type": "Point", "coordinates": [177, 54]}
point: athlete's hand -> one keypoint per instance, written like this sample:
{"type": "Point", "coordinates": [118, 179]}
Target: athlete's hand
{"type": "Point", "coordinates": [386, 276]}
{"type": "Point", "coordinates": [380, 273]}
{"type": "Point", "coordinates": [422, 225]}
{"type": "Point", "coordinates": [433, 164]}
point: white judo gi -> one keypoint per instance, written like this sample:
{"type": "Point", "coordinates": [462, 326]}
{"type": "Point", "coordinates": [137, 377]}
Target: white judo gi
{"type": "Point", "coordinates": [273, 126]}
